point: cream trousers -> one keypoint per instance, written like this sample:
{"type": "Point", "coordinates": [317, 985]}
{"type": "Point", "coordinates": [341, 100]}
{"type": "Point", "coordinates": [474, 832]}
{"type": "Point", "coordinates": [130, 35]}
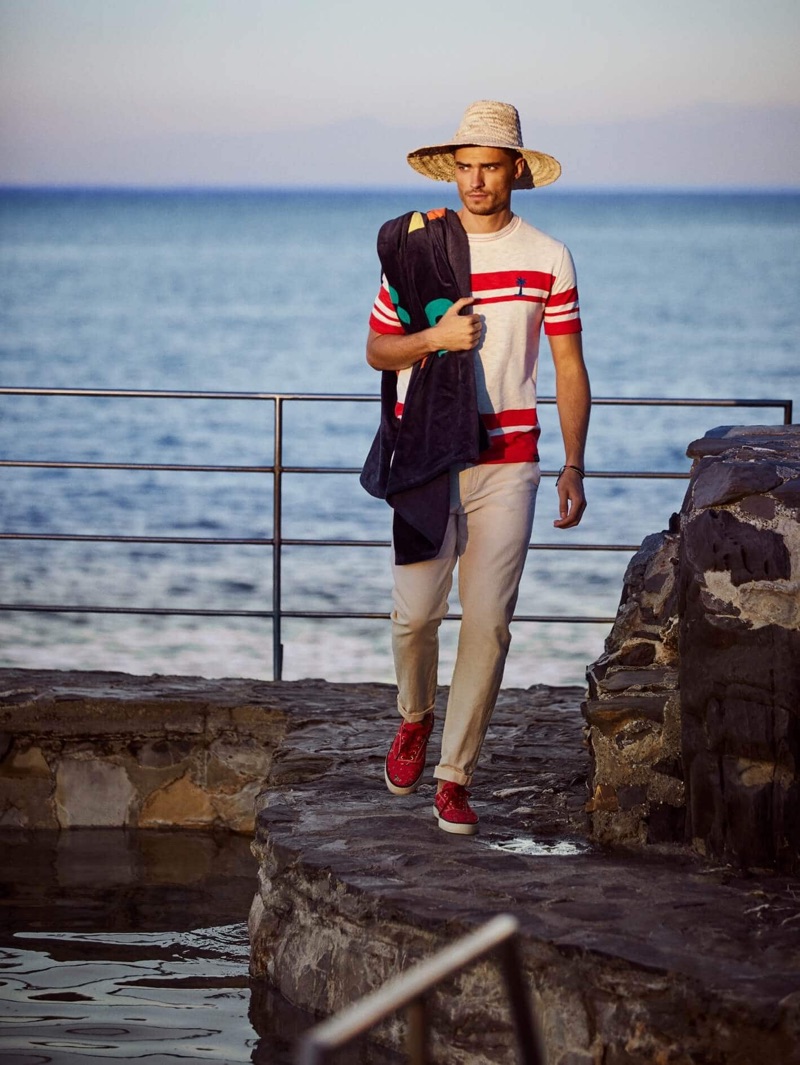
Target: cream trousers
{"type": "Point", "coordinates": [488, 534]}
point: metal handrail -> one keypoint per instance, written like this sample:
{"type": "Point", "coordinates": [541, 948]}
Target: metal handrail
{"type": "Point", "coordinates": [410, 991]}
{"type": "Point", "coordinates": [278, 470]}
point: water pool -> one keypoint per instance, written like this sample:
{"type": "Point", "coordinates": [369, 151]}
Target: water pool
{"type": "Point", "coordinates": [122, 946]}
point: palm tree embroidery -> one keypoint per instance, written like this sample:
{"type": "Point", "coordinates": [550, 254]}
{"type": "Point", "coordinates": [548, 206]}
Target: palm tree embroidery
{"type": "Point", "coordinates": [520, 282]}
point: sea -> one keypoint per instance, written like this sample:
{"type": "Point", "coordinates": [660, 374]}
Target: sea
{"type": "Point", "coordinates": [684, 296]}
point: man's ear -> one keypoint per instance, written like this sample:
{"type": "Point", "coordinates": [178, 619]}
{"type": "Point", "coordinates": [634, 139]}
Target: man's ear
{"type": "Point", "coordinates": [519, 166]}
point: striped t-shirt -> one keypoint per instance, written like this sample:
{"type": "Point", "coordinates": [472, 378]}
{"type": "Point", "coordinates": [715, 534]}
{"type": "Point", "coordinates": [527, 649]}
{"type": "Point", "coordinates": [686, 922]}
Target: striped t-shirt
{"type": "Point", "coordinates": [521, 279]}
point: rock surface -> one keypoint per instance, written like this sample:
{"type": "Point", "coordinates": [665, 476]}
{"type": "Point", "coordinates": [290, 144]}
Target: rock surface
{"type": "Point", "coordinates": [631, 958]}
{"type": "Point", "coordinates": [633, 707]}
{"type": "Point", "coordinates": [739, 604]}
{"type": "Point", "coordinates": [693, 709]}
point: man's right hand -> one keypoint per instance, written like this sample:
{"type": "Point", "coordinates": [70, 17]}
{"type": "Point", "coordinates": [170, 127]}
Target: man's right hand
{"type": "Point", "coordinates": [455, 331]}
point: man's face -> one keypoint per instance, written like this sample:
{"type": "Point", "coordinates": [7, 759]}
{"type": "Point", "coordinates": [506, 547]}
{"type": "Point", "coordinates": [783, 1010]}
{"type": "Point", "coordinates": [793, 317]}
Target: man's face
{"type": "Point", "coordinates": [485, 177]}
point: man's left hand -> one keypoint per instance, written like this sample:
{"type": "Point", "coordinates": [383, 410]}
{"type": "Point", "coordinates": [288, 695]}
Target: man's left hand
{"type": "Point", "coordinates": [571, 500]}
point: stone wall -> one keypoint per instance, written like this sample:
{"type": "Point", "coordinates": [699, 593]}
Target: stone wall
{"type": "Point", "coordinates": [693, 710]}
{"type": "Point", "coordinates": [107, 749]}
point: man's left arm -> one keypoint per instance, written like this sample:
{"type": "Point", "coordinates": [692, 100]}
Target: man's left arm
{"type": "Point", "coordinates": [573, 399]}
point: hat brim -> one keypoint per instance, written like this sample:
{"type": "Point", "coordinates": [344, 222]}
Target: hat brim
{"type": "Point", "coordinates": [438, 163]}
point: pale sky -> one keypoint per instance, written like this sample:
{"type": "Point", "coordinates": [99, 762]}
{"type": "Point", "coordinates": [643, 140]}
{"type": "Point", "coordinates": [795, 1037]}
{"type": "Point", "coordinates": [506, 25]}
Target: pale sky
{"type": "Point", "coordinates": [249, 92]}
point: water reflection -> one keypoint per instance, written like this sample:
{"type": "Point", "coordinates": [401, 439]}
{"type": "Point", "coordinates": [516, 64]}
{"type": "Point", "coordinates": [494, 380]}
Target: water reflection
{"type": "Point", "coordinates": [555, 848]}
{"type": "Point", "coordinates": [131, 945]}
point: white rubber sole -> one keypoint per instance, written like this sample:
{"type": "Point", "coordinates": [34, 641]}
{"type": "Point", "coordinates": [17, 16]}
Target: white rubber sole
{"type": "Point", "coordinates": [393, 788]}
{"type": "Point", "coordinates": [453, 826]}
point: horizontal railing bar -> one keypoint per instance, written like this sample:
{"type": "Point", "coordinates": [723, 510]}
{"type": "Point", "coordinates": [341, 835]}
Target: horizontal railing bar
{"type": "Point", "coordinates": [225, 541]}
{"type": "Point", "coordinates": [343, 615]}
{"type": "Point", "coordinates": [597, 474]}
{"type": "Point", "coordinates": [69, 608]}
{"type": "Point", "coordinates": [668, 401]}
{"type": "Point", "coordinates": [159, 393]}
{"type": "Point", "coordinates": [577, 619]}
{"type": "Point", "coordinates": [387, 543]}
{"type": "Point", "coordinates": [177, 468]}
{"type": "Point", "coordinates": [108, 538]}
{"type": "Point", "coordinates": [148, 393]}
{"type": "Point", "coordinates": [585, 547]}
{"type": "Point", "coordinates": [151, 466]}
{"type": "Point", "coordinates": [617, 475]}
{"type": "Point", "coordinates": [297, 615]}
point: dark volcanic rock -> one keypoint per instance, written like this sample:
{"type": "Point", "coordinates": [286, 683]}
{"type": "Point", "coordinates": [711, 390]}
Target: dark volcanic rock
{"type": "Point", "coordinates": [702, 673]}
{"type": "Point", "coordinates": [739, 613]}
{"type": "Point", "coordinates": [717, 541]}
{"type": "Point", "coordinates": [720, 482]}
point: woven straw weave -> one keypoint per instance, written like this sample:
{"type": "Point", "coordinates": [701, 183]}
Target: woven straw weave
{"type": "Point", "coordinates": [487, 124]}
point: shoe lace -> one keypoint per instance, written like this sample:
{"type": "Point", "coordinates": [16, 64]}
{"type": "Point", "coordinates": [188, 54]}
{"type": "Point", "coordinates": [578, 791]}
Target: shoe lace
{"type": "Point", "coordinates": [456, 796]}
{"type": "Point", "coordinates": [412, 740]}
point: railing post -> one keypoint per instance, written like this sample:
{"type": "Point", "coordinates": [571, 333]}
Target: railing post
{"type": "Point", "coordinates": [277, 500]}
{"type": "Point", "coordinates": [417, 1034]}
{"type": "Point", "coordinates": [528, 1042]}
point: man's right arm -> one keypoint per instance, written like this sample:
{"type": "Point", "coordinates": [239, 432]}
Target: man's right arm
{"type": "Point", "coordinates": [453, 332]}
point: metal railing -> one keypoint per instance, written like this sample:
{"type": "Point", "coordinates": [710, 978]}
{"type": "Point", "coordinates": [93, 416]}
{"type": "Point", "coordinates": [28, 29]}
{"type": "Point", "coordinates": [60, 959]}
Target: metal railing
{"type": "Point", "coordinates": [278, 470]}
{"type": "Point", "coordinates": [410, 991]}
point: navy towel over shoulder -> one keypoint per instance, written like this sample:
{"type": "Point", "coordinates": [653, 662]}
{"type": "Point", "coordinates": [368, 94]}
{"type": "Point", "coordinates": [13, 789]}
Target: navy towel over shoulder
{"type": "Point", "coordinates": [425, 259]}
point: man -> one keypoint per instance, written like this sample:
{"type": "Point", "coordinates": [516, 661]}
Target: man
{"type": "Point", "coordinates": [519, 279]}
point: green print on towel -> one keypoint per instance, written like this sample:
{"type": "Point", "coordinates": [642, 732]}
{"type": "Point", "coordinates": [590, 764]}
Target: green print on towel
{"type": "Point", "coordinates": [434, 311]}
{"type": "Point", "coordinates": [402, 313]}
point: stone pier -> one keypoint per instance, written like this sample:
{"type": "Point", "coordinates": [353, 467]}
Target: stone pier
{"type": "Point", "coordinates": [630, 958]}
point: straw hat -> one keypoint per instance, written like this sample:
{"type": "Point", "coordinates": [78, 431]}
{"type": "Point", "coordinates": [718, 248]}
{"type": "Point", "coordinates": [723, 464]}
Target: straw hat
{"type": "Point", "coordinates": [486, 124]}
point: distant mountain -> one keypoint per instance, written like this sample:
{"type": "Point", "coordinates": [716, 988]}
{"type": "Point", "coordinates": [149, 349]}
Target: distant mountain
{"type": "Point", "coordinates": [706, 145]}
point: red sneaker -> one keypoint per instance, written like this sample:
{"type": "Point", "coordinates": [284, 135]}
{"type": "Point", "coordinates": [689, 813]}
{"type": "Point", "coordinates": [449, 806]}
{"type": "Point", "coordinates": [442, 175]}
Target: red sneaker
{"type": "Point", "coordinates": [453, 810]}
{"type": "Point", "coordinates": [405, 761]}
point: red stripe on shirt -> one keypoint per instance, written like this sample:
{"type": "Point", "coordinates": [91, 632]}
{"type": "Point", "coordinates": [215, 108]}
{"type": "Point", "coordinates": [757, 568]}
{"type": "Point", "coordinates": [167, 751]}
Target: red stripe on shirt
{"type": "Point", "coordinates": [512, 447]}
{"type": "Point", "coordinates": [513, 279]}
{"type": "Point", "coordinates": [383, 318]}
{"type": "Point", "coordinates": [507, 298]}
{"type": "Point", "coordinates": [380, 325]}
{"type": "Point", "coordinates": [555, 329]}
{"type": "Point", "coordinates": [504, 418]}
{"type": "Point", "coordinates": [558, 299]}
{"type": "Point", "coordinates": [562, 314]}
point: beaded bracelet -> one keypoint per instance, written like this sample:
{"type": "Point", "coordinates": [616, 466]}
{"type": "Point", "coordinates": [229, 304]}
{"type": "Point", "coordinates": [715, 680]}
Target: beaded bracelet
{"type": "Point", "coordinates": [577, 469]}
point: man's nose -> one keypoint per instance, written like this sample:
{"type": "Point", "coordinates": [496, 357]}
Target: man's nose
{"type": "Point", "coordinates": [477, 179]}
